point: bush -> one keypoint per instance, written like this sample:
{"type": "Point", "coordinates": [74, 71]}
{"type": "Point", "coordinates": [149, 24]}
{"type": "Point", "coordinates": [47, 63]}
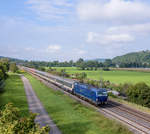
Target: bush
{"type": "Point", "coordinates": [62, 72]}
{"type": "Point", "coordinates": [106, 69]}
{"type": "Point", "coordinates": [80, 76]}
{"type": "Point", "coordinates": [12, 123]}
{"type": "Point", "coordinates": [139, 94]}
{"type": "Point", "coordinates": [42, 68]}
{"type": "Point", "coordinates": [112, 95]}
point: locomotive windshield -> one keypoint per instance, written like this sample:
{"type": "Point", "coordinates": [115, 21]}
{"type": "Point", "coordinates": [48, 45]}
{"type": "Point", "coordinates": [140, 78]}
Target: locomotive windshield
{"type": "Point", "coordinates": [102, 93]}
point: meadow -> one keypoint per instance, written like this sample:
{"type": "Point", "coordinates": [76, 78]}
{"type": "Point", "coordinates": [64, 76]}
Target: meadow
{"type": "Point", "coordinates": [71, 116]}
{"type": "Point", "coordinates": [14, 93]}
{"type": "Point", "coordinates": [114, 76]}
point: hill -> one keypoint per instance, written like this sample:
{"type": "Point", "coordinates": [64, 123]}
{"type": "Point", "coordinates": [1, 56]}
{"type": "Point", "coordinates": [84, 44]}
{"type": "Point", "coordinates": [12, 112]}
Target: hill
{"type": "Point", "coordinates": [13, 59]}
{"type": "Point", "coordinates": [137, 57]}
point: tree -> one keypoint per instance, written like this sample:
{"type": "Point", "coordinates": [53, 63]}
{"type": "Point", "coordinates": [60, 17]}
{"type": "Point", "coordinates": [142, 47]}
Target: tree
{"type": "Point", "coordinates": [5, 62]}
{"type": "Point", "coordinates": [1, 75]}
{"type": "Point", "coordinates": [81, 64]}
{"type": "Point", "coordinates": [63, 72]}
{"type": "Point", "coordinates": [71, 63]}
{"type": "Point", "coordinates": [3, 69]}
{"type": "Point", "coordinates": [108, 63]}
{"type": "Point", "coordinates": [13, 67]}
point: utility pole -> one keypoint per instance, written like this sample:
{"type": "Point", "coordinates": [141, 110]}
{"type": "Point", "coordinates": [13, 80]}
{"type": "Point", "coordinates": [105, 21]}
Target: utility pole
{"type": "Point", "coordinates": [63, 74]}
{"type": "Point", "coordinates": [101, 80]}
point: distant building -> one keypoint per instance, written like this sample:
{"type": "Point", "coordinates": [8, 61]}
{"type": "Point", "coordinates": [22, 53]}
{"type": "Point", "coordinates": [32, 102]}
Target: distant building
{"type": "Point", "coordinates": [117, 66]}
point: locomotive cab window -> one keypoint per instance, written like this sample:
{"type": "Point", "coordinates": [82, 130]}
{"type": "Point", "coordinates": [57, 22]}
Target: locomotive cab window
{"type": "Point", "coordinates": [102, 93]}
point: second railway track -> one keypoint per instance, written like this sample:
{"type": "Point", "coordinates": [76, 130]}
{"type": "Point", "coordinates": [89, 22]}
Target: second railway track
{"type": "Point", "coordinates": [128, 117]}
{"type": "Point", "coordinates": [134, 112]}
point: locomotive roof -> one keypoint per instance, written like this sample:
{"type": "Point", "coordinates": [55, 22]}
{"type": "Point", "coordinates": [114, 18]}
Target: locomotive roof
{"type": "Point", "coordinates": [92, 88]}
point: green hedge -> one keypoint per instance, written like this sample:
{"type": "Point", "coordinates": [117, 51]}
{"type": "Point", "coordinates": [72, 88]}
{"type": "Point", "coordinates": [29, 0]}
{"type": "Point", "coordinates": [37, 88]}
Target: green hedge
{"type": "Point", "coordinates": [11, 122]}
{"type": "Point", "coordinates": [139, 94]}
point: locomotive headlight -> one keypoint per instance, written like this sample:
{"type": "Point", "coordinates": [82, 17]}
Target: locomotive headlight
{"type": "Point", "coordinates": [104, 93]}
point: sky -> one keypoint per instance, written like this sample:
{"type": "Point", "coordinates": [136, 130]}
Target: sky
{"type": "Point", "coordinates": [69, 29]}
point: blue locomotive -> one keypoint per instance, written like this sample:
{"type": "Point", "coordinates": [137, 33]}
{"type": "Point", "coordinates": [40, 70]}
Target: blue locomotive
{"type": "Point", "coordinates": [94, 95]}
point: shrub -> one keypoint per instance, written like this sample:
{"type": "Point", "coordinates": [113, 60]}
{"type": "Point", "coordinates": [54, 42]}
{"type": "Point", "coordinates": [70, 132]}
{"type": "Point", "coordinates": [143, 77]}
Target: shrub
{"type": "Point", "coordinates": [80, 76]}
{"type": "Point", "coordinates": [112, 95]}
{"type": "Point", "coordinates": [42, 68]}
{"type": "Point", "coordinates": [92, 82]}
{"type": "Point", "coordinates": [12, 123]}
{"type": "Point", "coordinates": [106, 69]}
{"type": "Point", "coordinates": [139, 94]}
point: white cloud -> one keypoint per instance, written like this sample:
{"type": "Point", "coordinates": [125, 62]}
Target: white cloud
{"type": "Point", "coordinates": [53, 48]}
{"type": "Point", "coordinates": [82, 52]}
{"type": "Point", "coordinates": [29, 49]}
{"type": "Point", "coordinates": [50, 9]}
{"type": "Point", "coordinates": [109, 38]}
{"type": "Point", "coordinates": [122, 11]}
{"type": "Point", "coordinates": [136, 28]}
{"type": "Point", "coordinates": [79, 52]}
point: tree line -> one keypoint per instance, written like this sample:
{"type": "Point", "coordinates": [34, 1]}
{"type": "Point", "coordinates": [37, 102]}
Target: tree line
{"type": "Point", "coordinates": [80, 64]}
{"type": "Point", "coordinates": [86, 65]}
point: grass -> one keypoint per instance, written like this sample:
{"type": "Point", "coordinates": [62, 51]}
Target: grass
{"type": "Point", "coordinates": [14, 93]}
{"type": "Point", "coordinates": [114, 76]}
{"type": "Point", "coordinates": [72, 117]}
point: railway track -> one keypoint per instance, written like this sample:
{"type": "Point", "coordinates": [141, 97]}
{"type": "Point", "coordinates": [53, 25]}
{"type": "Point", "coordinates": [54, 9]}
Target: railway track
{"type": "Point", "coordinates": [138, 122]}
{"type": "Point", "coordinates": [133, 120]}
{"type": "Point", "coordinates": [139, 114]}
{"type": "Point", "coordinates": [134, 127]}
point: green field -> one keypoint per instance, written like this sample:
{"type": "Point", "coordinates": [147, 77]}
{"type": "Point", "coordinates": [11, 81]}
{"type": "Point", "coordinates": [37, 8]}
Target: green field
{"type": "Point", "coordinates": [14, 93]}
{"type": "Point", "coordinates": [72, 117]}
{"type": "Point", "coordinates": [114, 76]}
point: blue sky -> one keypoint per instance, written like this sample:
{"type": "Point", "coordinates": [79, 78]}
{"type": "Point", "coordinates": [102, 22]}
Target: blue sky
{"type": "Point", "coordinates": [70, 29]}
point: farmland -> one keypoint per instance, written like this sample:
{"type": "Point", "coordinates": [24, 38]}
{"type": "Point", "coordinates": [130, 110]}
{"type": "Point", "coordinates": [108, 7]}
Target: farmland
{"type": "Point", "coordinates": [114, 76]}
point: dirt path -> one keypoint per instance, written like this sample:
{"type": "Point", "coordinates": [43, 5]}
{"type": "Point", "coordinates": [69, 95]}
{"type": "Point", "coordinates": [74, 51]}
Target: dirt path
{"type": "Point", "coordinates": [36, 106]}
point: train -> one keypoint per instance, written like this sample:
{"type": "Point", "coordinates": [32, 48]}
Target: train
{"type": "Point", "coordinates": [96, 96]}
